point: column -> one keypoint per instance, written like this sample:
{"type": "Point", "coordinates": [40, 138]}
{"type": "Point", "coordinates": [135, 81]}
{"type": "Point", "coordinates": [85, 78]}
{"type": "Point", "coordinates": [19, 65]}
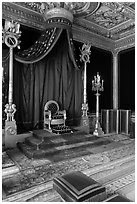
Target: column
{"type": "Point", "coordinates": [115, 80]}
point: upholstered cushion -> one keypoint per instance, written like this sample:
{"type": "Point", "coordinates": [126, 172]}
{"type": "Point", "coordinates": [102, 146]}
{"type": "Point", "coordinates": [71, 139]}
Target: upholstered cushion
{"type": "Point", "coordinates": [117, 198]}
{"type": "Point", "coordinates": [76, 186]}
{"type": "Point", "coordinates": [57, 116]}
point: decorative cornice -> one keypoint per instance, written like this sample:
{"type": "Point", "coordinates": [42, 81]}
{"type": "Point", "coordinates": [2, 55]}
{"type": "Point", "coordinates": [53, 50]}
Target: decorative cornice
{"type": "Point", "coordinates": [85, 36]}
{"type": "Point", "coordinates": [91, 27]}
{"type": "Point", "coordinates": [113, 34]}
{"type": "Point", "coordinates": [126, 43]}
{"type": "Point", "coordinates": [81, 35]}
{"type": "Point", "coordinates": [11, 11]}
{"type": "Point", "coordinates": [122, 30]}
{"type": "Point", "coordinates": [77, 9]}
{"type": "Point", "coordinates": [118, 37]}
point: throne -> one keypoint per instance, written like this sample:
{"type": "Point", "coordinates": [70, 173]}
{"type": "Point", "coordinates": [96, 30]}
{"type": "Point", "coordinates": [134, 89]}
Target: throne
{"type": "Point", "coordinates": [52, 115]}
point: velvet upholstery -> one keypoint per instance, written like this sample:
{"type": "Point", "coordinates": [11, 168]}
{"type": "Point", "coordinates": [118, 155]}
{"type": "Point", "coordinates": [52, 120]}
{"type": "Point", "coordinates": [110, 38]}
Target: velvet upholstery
{"type": "Point", "coordinates": [77, 187]}
{"type": "Point", "coordinates": [117, 198]}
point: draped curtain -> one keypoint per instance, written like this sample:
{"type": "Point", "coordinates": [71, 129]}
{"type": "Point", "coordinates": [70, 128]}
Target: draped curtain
{"type": "Point", "coordinates": [54, 77]}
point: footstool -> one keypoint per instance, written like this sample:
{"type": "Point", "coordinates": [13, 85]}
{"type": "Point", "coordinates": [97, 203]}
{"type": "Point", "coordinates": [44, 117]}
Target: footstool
{"type": "Point", "coordinates": [77, 187]}
{"type": "Point", "coordinates": [117, 198]}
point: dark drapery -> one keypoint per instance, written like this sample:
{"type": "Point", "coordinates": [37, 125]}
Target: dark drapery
{"type": "Point", "coordinates": [47, 41]}
{"type": "Point", "coordinates": [41, 47]}
{"type": "Point", "coordinates": [54, 77]}
{"type": "Point", "coordinates": [47, 71]}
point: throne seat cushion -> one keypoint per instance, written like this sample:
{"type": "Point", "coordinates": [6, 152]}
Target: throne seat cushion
{"type": "Point", "coordinates": [77, 187]}
{"type": "Point", "coordinates": [57, 116]}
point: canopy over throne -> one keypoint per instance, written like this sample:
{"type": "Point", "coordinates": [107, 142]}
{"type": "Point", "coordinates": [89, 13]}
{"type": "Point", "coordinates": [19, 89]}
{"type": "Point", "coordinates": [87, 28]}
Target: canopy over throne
{"type": "Point", "coordinates": [52, 115]}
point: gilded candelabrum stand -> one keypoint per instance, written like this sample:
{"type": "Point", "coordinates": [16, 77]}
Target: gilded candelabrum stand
{"type": "Point", "coordinates": [10, 35]}
{"type": "Point", "coordinates": [97, 86]}
{"type": "Point", "coordinates": [85, 52]}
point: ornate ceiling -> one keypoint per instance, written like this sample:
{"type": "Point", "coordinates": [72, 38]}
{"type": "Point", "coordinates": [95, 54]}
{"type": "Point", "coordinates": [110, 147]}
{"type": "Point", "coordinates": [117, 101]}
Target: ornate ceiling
{"type": "Point", "coordinates": [107, 25]}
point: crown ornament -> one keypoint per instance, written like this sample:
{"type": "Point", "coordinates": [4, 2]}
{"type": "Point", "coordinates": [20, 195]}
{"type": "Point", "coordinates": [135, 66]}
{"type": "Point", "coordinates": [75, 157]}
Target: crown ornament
{"type": "Point", "coordinates": [57, 13]}
{"type": "Point", "coordinates": [51, 10]}
{"type": "Point", "coordinates": [66, 10]}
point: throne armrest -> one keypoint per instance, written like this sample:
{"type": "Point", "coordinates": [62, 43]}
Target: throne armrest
{"type": "Point", "coordinates": [48, 114]}
{"type": "Point", "coordinates": [63, 112]}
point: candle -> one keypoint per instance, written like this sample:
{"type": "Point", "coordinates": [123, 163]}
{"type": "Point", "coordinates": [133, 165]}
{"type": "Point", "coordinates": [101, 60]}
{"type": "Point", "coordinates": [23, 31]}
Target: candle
{"type": "Point", "coordinates": [102, 82]}
{"type": "Point", "coordinates": [98, 78]}
{"type": "Point", "coordinates": [95, 78]}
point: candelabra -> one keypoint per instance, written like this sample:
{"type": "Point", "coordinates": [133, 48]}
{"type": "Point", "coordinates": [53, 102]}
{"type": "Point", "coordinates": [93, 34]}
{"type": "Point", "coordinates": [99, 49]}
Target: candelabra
{"type": "Point", "coordinates": [10, 35]}
{"type": "Point", "coordinates": [97, 86]}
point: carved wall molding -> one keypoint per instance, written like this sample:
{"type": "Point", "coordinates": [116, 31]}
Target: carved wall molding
{"type": "Point", "coordinates": [110, 15]}
{"type": "Point", "coordinates": [128, 8]}
{"type": "Point", "coordinates": [122, 30]}
{"type": "Point", "coordinates": [113, 34]}
{"type": "Point", "coordinates": [86, 25]}
{"type": "Point", "coordinates": [117, 50]}
{"type": "Point", "coordinates": [85, 36]}
{"type": "Point", "coordinates": [125, 43]}
{"type": "Point", "coordinates": [11, 11]}
{"type": "Point", "coordinates": [84, 29]}
{"type": "Point", "coordinates": [97, 41]}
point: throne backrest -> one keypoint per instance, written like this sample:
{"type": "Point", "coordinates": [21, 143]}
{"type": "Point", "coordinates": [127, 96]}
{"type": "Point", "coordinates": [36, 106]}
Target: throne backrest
{"type": "Point", "coordinates": [52, 106]}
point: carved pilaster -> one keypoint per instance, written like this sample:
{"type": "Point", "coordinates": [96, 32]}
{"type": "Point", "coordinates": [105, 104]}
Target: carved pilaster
{"type": "Point", "coordinates": [115, 80]}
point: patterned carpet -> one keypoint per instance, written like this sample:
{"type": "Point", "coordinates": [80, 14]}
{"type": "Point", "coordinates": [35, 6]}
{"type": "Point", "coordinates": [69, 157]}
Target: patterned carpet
{"type": "Point", "coordinates": [33, 181]}
{"type": "Point", "coordinates": [6, 161]}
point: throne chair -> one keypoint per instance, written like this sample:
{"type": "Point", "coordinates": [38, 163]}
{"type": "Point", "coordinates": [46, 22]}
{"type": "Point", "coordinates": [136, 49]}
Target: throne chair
{"type": "Point", "coordinates": [53, 116]}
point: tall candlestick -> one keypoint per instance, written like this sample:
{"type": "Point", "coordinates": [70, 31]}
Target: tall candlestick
{"type": "Point", "coordinates": [97, 86]}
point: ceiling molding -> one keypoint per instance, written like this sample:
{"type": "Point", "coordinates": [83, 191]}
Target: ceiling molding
{"type": "Point", "coordinates": [90, 26]}
{"type": "Point", "coordinates": [126, 43]}
{"type": "Point", "coordinates": [81, 35]}
{"type": "Point", "coordinates": [11, 11]}
{"type": "Point", "coordinates": [119, 35]}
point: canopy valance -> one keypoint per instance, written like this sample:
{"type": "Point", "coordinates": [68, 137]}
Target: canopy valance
{"type": "Point", "coordinates": [47, 41]}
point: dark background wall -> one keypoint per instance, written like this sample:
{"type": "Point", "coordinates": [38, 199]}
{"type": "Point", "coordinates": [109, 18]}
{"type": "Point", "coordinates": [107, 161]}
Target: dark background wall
{"type": "Point", "coordinates": [127, 79]}
{"type": "Point", "coordinates": [102, 61]}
